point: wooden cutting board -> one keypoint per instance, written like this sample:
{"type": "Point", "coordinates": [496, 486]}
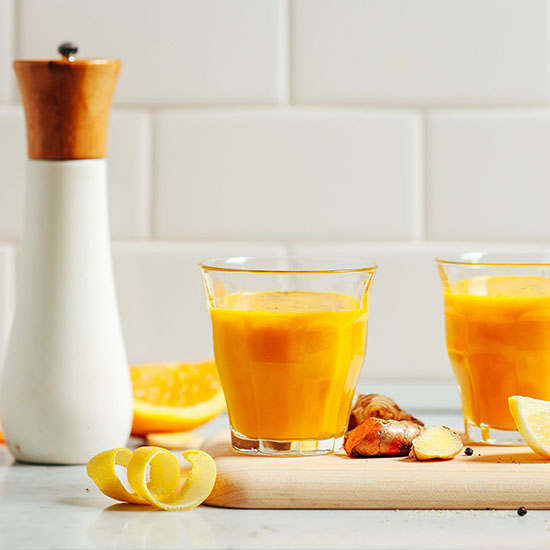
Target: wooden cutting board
{"type": "Point", "coordinates": [493, 477]}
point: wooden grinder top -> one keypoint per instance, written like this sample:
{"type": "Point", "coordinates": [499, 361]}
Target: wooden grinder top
{"type": "Point", "coordinates": [67, 103]}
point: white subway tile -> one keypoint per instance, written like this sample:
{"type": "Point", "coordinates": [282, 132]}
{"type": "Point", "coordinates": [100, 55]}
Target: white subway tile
{"type": "Point", "coordinates": [161, 296]}
{"type": "Point", "coordinates": [7, 39]}
{"type": "Point", "coordinates": [406, 327]}
{"type": "Point", "coordinates": [13, 152]}
{"type": "Point", "coordinates": [7, 295]}
{"type": "Point", "coordinates": [422, 52]}
{"type": "Point", "coordinates": [174, 51]}
{"type": "Point", "coordinates": [273, 174]}
{"type": "Point", "coordinates": [488, 174]}
{"type": "Point", "coordinates": [129, 173]}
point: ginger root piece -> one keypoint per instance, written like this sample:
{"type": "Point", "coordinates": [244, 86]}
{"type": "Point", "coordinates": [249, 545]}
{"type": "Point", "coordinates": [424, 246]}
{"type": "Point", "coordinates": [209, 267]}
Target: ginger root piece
{"type": "Point", "coordinates": [377, 406]}
{"type": "Point", "coordinates": [436, 442]}
{"type": "Point", "coordinates": [381, 437]}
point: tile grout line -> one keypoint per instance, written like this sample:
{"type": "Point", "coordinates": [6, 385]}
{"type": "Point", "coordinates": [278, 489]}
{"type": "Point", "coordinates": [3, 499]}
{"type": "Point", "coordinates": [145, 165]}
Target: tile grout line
{"type": "Point", "coordinates": [427, 163]}
{"type": "Point", "coordinates": [152, 176]}
{"type": "Point", "coordinates": [337, 106]}
{"type": "Point", "coordinates": [15, 45]}
{"type": "Point", "coordinates": [291, 106]}
{"type": "Point", "coordinates": [547, 52]}
{"type": "Point", "coordinates": [16, 19]}
{"type": "Point", "coordinates": [288, 245]}
{"type": "Point", "coordinates": [9, 293]}
{"type": "Point", "coordinates": [421, 185]}
{"type": "Point", "coordinates": [289, 52]}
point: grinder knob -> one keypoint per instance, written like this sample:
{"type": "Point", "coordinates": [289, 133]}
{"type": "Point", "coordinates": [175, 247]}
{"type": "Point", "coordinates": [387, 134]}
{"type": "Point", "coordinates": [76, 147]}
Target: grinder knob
{"type": "Point", "coordinates": [67, 50]}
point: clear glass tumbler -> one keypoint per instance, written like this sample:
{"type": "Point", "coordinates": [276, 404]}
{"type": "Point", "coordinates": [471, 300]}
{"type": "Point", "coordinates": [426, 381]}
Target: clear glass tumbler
{"type": "Point", "coordinates": [289, 341]}
{"type": "Point", "coordinates": [497, 317]}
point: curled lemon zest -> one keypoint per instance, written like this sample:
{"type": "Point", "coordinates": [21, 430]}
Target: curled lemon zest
{"type": "Point", "coordinates": [196, 488]}
{"type": "Point", "coordinates": [101, 468]}
{"type": "Point", "coordinates": [154, 474]}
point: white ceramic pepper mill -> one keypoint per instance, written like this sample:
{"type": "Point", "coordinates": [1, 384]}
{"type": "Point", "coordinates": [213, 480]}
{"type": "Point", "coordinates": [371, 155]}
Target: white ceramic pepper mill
{"type": "Point", "coordinates": [66, 391]}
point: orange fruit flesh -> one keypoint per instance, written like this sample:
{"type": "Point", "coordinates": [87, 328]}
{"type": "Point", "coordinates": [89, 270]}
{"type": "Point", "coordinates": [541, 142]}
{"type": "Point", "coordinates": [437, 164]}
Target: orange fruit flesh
{"type": "Point", "coordinates": [174, 397]}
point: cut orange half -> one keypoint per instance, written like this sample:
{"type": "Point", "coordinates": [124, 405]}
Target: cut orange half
{"type": "Point", "coordinates": [175, 397]}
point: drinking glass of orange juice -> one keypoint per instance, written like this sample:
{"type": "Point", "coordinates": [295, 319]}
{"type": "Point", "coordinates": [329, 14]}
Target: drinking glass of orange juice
{"type": "Point", "coordinates": [497, 317]}
{"type": "Point", "coordinates": [289, 341]}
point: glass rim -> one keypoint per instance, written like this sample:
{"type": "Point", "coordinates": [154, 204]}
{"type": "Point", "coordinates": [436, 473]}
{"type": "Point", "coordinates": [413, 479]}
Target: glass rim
{"type": "Point", "coordinates": [497, 259]}
{"type": "Point", "coordinates": [240, 264]}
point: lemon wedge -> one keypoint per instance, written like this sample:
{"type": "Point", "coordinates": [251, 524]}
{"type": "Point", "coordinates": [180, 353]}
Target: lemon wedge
{"type": "Point", "coordinates": [154, 475]}
{"type": "Point", "coordinates": [532, 417]}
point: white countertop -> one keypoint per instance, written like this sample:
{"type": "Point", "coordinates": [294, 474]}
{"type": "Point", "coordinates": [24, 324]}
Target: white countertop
{"type": "Point", "coordinates": [45, 507]}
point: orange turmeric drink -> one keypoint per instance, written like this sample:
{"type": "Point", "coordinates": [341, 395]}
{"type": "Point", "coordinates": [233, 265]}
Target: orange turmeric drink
{"type": "Point", "coordinates": [288, 361]}
{"type": "Point", "coordinates": [498, 340]}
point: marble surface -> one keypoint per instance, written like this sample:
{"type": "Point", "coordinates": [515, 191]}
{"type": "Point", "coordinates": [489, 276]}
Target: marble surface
{"type": "Point", "coordinates": [46, 507]}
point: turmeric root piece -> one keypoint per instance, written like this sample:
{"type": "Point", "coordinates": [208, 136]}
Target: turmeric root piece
{"type": "Point", "coordinates": [381, 437]}
{"type": "Point", "coordinates": [378, 406]}
{"type": "Point", "coordinates": [437, 442]}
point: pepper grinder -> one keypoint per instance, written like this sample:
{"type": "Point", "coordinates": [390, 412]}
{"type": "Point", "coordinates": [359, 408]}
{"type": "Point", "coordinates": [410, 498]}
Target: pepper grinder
{"type": "Point", "coordinates": [66, 392]}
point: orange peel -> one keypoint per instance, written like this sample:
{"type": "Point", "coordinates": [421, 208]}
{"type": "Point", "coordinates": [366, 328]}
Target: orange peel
{"type": "Point", "coordinates": [175, 397]}
{"type": "Point", "coordinates": [154, 475]}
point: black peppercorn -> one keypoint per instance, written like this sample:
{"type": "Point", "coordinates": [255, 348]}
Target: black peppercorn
{"type": "Point", "coordinates": [522, 511]}
{"type": "Point", "coordinates": [468, 451]}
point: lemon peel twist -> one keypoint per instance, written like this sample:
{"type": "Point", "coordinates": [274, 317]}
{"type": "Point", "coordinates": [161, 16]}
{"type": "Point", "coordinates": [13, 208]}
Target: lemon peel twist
{"type": "Point", "coordinates": [154, 474]}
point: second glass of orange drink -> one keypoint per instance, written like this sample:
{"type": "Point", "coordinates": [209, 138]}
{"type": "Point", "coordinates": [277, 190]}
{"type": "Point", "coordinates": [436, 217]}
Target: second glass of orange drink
{"type": "Point", "coordinates": [497, 317]}
{"type": "Point", "coordinates": [290, 337]}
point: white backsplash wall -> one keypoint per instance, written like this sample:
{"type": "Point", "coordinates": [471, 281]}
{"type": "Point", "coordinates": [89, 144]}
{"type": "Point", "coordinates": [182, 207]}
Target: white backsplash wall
{"type": "Point", "coordinates": [286, 174]}
{"type": "Point", "coordinates": [386, 129]}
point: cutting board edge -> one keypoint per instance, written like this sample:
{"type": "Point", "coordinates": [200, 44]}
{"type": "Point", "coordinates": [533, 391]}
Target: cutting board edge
{"type": "Point", "coordinates": [360, 506]}
{"type": "Point", "coordinates": [247, 482]}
